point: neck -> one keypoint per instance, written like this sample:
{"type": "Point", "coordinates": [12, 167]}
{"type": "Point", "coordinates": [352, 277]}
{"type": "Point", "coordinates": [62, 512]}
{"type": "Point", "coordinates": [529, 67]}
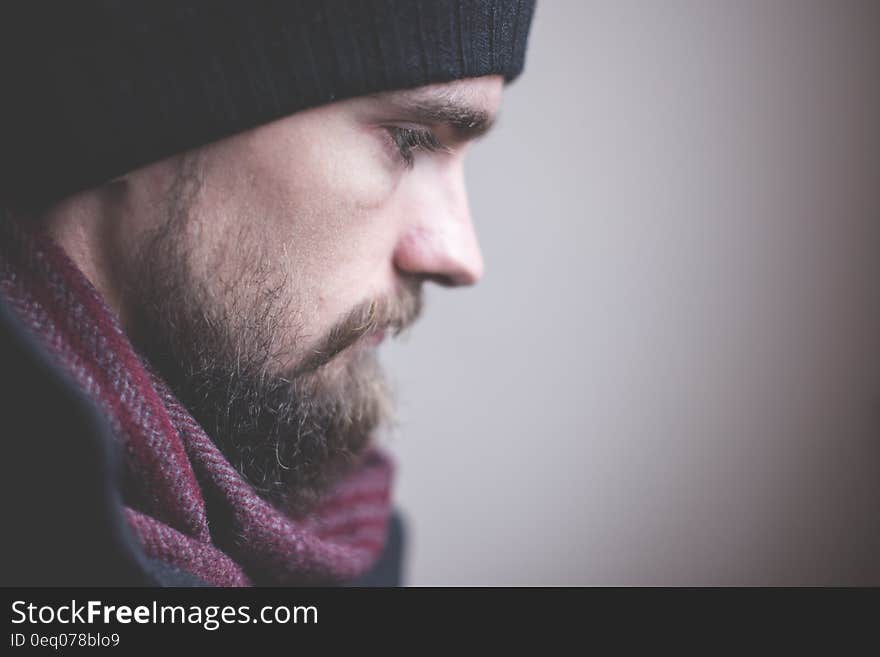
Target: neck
{"type": "Point", "coordinates": [89, 228]}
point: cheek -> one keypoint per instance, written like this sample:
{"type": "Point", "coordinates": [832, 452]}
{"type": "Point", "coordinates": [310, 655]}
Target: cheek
{"type": "Point", "coordinates": [314, 198]}
{"type": "Point", "coordinates": [319, 210]}
{"type": "Point", "coordinates": [322, 160]}
{"type": "Point", "coordinates": [335, 216]}
{"type": "Point", "coordinates": [308, 180]}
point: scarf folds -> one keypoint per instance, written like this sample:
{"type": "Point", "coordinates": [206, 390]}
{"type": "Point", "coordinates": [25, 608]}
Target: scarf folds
{"type": "Point", "coordinates": [184, 502]}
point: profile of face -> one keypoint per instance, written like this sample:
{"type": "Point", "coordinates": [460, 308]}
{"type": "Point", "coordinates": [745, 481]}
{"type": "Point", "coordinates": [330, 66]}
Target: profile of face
{"type": "Point", "coordinates": [259, 273]}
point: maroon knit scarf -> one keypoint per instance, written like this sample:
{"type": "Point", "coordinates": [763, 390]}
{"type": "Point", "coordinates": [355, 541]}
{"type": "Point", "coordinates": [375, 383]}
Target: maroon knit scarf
{"type": "Point", "coordinates": [170, 466]}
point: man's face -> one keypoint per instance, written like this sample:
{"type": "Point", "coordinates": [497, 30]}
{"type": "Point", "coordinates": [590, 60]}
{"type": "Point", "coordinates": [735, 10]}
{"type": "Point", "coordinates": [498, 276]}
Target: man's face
{"type": "Point", "coordinates": [270, 264]}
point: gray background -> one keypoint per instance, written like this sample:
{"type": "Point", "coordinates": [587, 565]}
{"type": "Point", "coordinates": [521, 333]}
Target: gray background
{"type": "Point", "coordinates": [671, 371]}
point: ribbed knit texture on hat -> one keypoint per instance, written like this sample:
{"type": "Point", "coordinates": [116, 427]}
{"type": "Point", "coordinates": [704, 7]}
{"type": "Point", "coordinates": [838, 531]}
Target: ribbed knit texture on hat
{"type": "Point", "coordinates": [92, 90]}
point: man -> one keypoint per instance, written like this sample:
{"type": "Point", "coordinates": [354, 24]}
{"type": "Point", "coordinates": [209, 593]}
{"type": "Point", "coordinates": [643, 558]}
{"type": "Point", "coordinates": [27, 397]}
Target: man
{"type": "Point", "coordinates": [214, 213]}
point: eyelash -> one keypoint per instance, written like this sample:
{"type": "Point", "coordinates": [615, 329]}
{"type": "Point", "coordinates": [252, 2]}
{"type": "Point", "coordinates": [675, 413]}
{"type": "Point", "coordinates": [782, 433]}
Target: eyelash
{"type": "Point", "coordinates": [409, 139]}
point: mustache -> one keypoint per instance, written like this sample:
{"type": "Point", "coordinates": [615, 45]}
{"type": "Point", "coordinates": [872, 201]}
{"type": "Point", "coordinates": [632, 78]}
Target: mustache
{"type": "Point", "coordinates": [390, 314]}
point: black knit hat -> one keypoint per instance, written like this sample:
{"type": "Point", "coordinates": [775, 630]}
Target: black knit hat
{"type": "Point", "coordinates": [93, 89]}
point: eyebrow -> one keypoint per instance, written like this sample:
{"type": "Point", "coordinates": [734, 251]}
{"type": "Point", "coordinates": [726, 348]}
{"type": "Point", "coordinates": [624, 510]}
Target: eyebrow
{"type": "Point", "coordinates": [468, 121]}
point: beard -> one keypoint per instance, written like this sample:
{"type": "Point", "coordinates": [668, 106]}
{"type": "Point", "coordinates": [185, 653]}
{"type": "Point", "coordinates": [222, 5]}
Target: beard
{"type": "Point", "coordinates": [223, 347]}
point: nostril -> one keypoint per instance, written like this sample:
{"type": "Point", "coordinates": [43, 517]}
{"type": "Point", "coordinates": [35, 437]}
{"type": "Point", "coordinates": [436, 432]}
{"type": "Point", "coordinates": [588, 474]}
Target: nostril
{"type": "Point", "coordinates": [446, 280]}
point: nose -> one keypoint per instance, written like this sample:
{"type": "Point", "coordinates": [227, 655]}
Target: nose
{"type": "Point", "coordinates": [439, 243]}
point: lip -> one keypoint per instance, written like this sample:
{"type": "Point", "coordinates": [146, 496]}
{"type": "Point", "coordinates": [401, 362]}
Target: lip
{"type": "Point", "coordinates": [376, 337]}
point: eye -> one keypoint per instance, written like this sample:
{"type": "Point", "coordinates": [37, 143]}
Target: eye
{"type": "Point", "coordinates": [408, 140]}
